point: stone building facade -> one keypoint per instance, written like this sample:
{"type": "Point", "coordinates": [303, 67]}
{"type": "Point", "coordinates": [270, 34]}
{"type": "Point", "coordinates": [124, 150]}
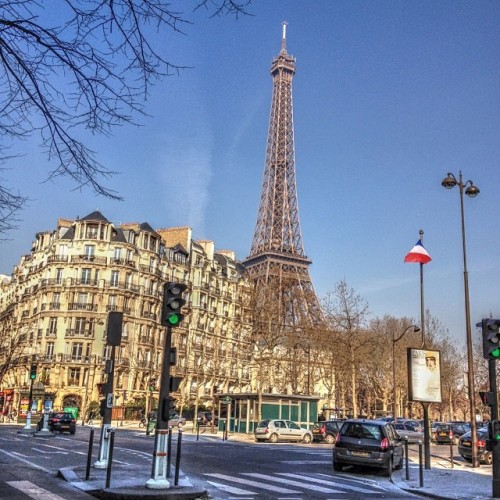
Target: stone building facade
{"type": "Point", "coordinates": [54, 309]}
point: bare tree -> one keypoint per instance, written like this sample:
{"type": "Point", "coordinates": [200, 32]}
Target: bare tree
{"type": "Point", "coordinates": [347, 313]}
{"type": "Point", "coordinates": [92, 71]}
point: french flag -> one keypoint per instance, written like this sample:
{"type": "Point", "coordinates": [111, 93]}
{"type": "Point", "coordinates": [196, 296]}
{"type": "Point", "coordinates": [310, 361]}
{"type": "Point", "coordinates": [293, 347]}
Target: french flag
{"type": "Point", "coordinates": [418, 254]}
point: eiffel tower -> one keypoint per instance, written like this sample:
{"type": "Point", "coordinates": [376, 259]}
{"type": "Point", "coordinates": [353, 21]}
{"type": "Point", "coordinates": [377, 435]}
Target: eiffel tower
{"type": "Point", "coordinates": [277, 263]}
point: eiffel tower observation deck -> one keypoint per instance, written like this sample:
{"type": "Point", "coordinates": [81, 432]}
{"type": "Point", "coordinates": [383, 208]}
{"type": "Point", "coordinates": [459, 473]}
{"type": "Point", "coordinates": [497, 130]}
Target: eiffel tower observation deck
{"type": "Point", "coordinates": [277, 263]}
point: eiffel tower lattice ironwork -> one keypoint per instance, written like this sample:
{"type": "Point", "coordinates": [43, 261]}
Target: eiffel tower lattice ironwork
{"type": "Point", "coordinates": [277, 261]}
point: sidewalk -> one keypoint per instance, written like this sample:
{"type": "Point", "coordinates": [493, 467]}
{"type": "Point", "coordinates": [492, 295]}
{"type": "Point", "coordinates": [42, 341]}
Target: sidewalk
{"type": "Point", "coordinates": [461, 481]}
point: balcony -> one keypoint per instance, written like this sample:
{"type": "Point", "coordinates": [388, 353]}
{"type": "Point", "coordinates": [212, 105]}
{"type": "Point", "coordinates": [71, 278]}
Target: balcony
{"type": "Point", "coordinates": [122, 263]}
{"type": "Point", "coordinates": [57, 258]}
{"type": "Point", "coordinates": [82, 306]}
{"type": "Point", "coordinates": [78, 259]}
{"type": "Point", "coordinates": [148, 315]}
{"type": "Point", "coordinates": [72, 333]}
{"type": "Point", "coordinates": [111, 307]}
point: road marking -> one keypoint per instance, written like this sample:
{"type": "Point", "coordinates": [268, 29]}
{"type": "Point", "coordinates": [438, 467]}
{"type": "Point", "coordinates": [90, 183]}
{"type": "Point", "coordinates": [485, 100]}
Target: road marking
{"type": "Point", "coordinates": [300, 484]}
{"type": "Point", "coordinates": [326, 482]}
{"type": "Point", "coordinates": [47, 451]}
{"type": "Point", "coordinates": [17, 456]}
{"type": "Point", "coordinates": [33, 491]}
{"type": "Point", "coordinates": [231, 489]}
{"type": "Point", "coordinates": [252, 483]}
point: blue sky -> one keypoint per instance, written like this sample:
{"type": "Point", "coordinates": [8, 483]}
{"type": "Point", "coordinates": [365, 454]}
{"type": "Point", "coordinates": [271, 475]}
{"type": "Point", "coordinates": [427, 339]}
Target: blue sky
{"type": "Point", "coordinates": [389, 96]}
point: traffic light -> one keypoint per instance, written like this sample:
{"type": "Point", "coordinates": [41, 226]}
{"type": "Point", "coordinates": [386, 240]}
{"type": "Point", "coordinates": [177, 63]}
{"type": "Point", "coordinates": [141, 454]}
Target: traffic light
{"type": "Point", "coordinates": [33, 372]}
{"type": "Point", "coordinates": [487, 398]}
{"type": "Point", "coordinates": [172, 304]}
{"type": "Point", "coordinates": [152, 384]}
{"type": "Point", "coordinates": [495, 431]}
{"type": "Point", "coordinates": [491, 338]}
{"type": "Point", "coordinates": [102, 407]}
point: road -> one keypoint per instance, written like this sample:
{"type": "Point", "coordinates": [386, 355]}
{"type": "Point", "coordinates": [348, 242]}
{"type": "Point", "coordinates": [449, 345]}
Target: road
{"type": "Point", "coordinates": [227, 469]}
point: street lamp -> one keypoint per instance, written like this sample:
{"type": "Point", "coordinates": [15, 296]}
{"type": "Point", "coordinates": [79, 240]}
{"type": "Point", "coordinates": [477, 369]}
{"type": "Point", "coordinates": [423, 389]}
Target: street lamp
{"type": "Point", "coordinates": [394, 340]}
{"type": "Point", "coordinates": [472, 191]}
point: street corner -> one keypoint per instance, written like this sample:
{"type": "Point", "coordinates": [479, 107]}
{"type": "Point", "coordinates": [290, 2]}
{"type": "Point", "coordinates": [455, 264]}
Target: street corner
{"type": "Point", "coordinates": [172, 493]}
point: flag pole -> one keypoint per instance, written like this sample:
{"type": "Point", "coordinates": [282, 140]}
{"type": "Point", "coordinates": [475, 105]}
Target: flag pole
{"type": "Point", "coordinates": [422, 308]}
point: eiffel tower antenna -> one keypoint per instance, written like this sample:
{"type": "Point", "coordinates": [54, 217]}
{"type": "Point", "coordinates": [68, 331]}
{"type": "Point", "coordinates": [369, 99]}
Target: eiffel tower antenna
{"type": "Point", "coordinates": [277, 259]}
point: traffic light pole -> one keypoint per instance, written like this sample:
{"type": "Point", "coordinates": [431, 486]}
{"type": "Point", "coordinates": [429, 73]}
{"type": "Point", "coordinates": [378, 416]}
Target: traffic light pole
{"type": "Point", "coordinates": [102, 463]}
{"type": "Point", "coordinates": [158, 478]}
{"type": "Point", "coordinates": [28, 414]}
{"type": "Point", "coordinates": [492, 371]}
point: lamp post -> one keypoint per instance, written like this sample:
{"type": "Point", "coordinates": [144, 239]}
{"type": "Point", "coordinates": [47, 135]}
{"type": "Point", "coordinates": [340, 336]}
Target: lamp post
{"type": "Point", "coordinates": [394, 340]}
{"type": "Point", "coordinates": [472, 191]}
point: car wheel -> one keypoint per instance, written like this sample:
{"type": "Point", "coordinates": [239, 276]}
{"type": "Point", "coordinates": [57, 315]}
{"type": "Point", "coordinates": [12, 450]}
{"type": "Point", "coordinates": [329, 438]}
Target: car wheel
{"type": "Point", "coordinates": [306, 439]}
{"type": "Point", "coordinates": [455, 441]}
{"type": "Point", "coordinates": [72, 432]}
{"type": "Point", "coordinates": [488, 458]}
{"type": "Point", "coordinates": [400, 465]}
{"type": "Point", "coordinates": [329, 439]}
{"type": "Point", "coordinates": [337, 467]}
{"type": "Point", "coordinates": [273, 438]}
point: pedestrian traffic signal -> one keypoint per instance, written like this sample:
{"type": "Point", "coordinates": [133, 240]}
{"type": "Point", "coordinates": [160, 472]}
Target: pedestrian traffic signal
{"type": "Point", "coordinates": [491, 338]}
{"type": "Point", "coordinates": [152, 384]}
{"type": "Point", "coordinates": [33, 372]}
{"type": "Point", "coordinates": [172, 304]}
{"type": "Point", "coordinates": [487, 398]}
{"type": "Point", "coordinates": [495, 431]}
{"type": "Point", "coordinates": [102, 407]}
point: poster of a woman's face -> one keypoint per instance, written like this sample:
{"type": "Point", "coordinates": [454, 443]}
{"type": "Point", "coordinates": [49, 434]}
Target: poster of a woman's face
{"type": "Point", "coordinates": [425, 375]}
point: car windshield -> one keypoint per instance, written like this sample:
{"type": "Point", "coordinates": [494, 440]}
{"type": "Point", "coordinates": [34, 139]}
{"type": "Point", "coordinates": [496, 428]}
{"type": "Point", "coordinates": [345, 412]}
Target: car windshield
{"type": "Point", "coordinates": [263, 423]}
{"type": "Point", "coordinates": [362, 430]}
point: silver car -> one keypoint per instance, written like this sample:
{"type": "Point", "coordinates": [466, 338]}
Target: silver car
{"type": "Point", "coordinates": [406, 431]}
{"type": "Point", "coordinates": [281, 430]}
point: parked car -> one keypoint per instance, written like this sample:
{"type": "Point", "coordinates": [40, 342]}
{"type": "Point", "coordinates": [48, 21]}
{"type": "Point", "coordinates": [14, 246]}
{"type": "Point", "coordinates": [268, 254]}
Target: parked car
{"type": "Point", "coordinates": [62, 422]}
{"type": "Point", "coordinates": [450, 432]}
{"type": "Point", "coordinates": [205, 418]}
{"type": "Point", "coordinates": [414, 424]}
{"type": "Point", "coordinates": [281, 430]}
{"type": "Point", "coordinates": [434, 426]}
{"type": "Point", "coordinates": [174, 420]}
{"type": "Point", "coordinates": [372, 443]}
{"type": "Point", "coordinates": [406, 431]}
{"type": "Point", "coordinates": [326, 430]}
{"type": "Point", "coordinates": [465, 446]}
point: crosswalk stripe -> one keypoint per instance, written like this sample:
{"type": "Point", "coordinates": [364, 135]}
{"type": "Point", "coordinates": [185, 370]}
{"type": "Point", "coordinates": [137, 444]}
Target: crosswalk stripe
{"type": "Point", "coordinates": [289, 482]}
{"type": "Point", "coordinates": [33, 491]}
{"type": "Point", "coordinates": [248, 482]}
{"type": "Point", "coordinates": [334, 483]}
{"type": "Point", "coordinates": [231, 489]}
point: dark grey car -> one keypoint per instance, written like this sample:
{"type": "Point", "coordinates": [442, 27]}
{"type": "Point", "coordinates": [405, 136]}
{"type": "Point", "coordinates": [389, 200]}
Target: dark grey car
{"type": "Point", "coordinates": [365, 442]}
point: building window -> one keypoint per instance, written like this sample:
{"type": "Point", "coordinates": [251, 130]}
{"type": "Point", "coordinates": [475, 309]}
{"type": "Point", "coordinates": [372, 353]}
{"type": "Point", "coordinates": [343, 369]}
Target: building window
{"type": "Point", "coordinates": [117, 253]}
{"type": "Point", "coordinates": [91, 231]}
{"type": "Point", "coordinates": [59, 276]}
{"type": "Point", "coordinates": [115, 275]}
{"type": "Point", "coordinates": [77, 351]}
{"type": "Point", "coordinates": [53, 326]}
{"type": "Point", "coordinates": [80, 326]}
{"type": "Point", "coordinates": [49, 350]}
{"type": "Point", "coordinates": [74, 376]}
{"type": "Point", "coordinates": [86, 276]}
{"type": "Point", "coordinates": [89, 252]}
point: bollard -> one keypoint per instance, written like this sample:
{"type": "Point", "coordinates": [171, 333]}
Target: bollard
{"type": "Point", "coordinates": [407, 457]}
{"type": "Point", "coordinates": [89, 454]}
{"type": "Point", "coordinates": [198, 430]}
{"type": "Point", "coordinates": [178, 457]}
{"type": "Point", "coordinates": [420, 465]}
{"type": "Point", "coordinates": [451, 449]}
{"type": "Point", "coordinates": [110, 457]}
{"type": "Point", "coordinates": [169, 449]}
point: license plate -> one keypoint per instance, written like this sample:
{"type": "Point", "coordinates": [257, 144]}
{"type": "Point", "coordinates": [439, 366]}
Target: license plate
{"type": "Point", "coordinates": [360, 453]}
{"type": "Point", "coordinates": [443, 434]}
{"type": "Point", "coordinates": [316, 431]}
{"type": "Point", "coordinates": [465, 443]}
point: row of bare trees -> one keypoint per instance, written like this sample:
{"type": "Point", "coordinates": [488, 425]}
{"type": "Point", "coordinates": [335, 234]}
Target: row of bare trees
{"type": "Point", "coordinates": [348, 360]}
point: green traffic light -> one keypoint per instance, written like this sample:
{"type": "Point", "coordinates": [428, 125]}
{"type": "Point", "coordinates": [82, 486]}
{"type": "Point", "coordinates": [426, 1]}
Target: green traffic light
{"type": "Point", "coordinates": [174, 319]}
{"type": "Point", "coordinates": [495, 354]}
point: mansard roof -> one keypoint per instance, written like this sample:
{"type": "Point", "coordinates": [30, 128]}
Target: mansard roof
{"type": "Point", "coordinates": [146, 227]}
{"type": "Point", "coordinates": [95, 216]}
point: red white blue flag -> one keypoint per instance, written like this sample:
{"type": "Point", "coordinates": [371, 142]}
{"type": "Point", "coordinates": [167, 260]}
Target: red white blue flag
{"type": "Point", "coordinates": [418, 254]}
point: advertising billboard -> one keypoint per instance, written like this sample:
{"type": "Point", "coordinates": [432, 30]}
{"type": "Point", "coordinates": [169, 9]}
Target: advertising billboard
{"type": "Point", "coordinates": [424, 375]}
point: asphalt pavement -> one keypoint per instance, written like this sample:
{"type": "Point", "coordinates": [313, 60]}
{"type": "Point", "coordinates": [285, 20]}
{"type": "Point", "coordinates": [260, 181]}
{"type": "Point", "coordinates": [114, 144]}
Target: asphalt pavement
{"type": "Point", "coordinates": [446, 480]}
